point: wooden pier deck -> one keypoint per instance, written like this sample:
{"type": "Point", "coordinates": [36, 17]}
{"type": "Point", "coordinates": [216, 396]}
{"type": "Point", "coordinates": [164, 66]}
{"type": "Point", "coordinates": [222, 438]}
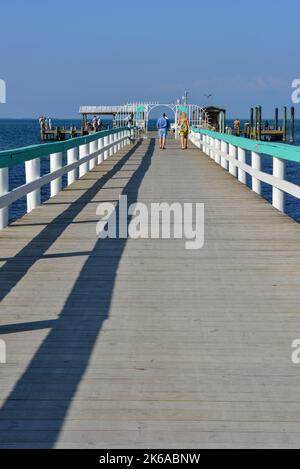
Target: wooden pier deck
{"type": "Point", "coordinates": [141, 343]}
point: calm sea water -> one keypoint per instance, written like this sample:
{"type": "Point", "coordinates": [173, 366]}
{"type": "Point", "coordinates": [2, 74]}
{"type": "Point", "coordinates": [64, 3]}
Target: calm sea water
{"type": "Point", "coordinates": [20, 133]}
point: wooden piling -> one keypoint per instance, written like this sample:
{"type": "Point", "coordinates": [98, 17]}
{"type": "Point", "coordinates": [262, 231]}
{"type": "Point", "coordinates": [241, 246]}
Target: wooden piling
{"type": "Point", "coordinates": [251, 123]}
{"type": "Point", "coordinates": [256, 123]}
{"type": "Point", "coordinates": [292, 125]}
{"type": "Point", "coordinates": [276, 119]}
{"type": "Point", "coordinates": [259, 122]}
{"type": "Point", "coordinates": [284, 124]}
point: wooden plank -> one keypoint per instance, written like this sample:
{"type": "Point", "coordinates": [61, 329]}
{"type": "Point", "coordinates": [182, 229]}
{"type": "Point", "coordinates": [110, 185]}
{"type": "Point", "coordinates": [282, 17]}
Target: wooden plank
{"type": "Point", "coordinates": [140, 343]}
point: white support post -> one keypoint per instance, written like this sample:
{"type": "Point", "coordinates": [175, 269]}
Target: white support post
{"type": "Point", "coordinates": [4, 188]}
{"type": "Point", "coordinates": [218, 148]}
{"type": "Point", "coordinates": [55, 163]}
{"type": "Point", "coordinates": [32, 173]}
{"type": "Point", "coordinates": [93, 149]}
{"type": "Point", "coordinates": [100, 146]}
{"type": "Point", "coordinates": [106, 142]}
{"type": "Point", "coordinates": [119, 143]}
{"type": "Point", "coordinates": [192, 137]}
{"type": "Point", "coordinates": [72, 156]}
{"type": "Point", "coordinates": [256, 164]}
{"type": "Point", "coordinates": [201, 146]}
{"type": "Point", "coordinates": [83, 151]}
{"type": "Point", "coordinates": [111, 140]}
{"type": "Point", "coordinates": [206, 141]}
{"type": "Point", "coordinates": [242, 159]}
{"type": "Point", "coordinates": [224, 149]}
{"type": "Point", "coordinates": [278, 195]}
{"type": "Point", "coordinates": [211, 150]}
{"type": "Point", "coordinates": [233, 154]}
{"type": "Point", "coordinates": [204, 144]}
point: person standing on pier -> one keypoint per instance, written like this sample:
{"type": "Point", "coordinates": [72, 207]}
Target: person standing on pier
{"type": "Point", "coordinates": [184, 129]}
{"type": "Point", "coordinates": [94, 123]}
{"type": "Point", "coordinates": [163, 125]}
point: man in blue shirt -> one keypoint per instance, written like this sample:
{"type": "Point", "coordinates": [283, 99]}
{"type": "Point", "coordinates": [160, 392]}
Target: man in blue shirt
{"type": "Point", "coordinates": [163, 125]}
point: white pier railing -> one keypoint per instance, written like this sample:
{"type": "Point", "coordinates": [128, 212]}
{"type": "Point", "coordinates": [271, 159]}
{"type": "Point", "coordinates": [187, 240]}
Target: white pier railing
{"type": "Point", "coordinates": [83, 154]}
{"type": "Point", "coordinates": [230, 153]}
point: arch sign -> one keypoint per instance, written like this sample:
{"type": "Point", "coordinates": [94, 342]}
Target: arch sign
{"type": "Point", "coordinates": [142, 111]}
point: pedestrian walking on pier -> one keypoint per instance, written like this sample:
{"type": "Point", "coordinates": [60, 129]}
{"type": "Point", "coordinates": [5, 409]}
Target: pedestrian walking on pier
{"type": "Point", "coordinates": [163, 125]}
{"type": "Point", "coordinates": [184, 129]}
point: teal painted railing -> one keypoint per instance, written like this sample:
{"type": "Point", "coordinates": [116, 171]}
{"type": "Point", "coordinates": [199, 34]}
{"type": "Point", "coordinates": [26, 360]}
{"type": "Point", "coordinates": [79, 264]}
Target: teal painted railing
{"type": "Point", "coordinates": [279, 150]}
{"type": "Point", "coordinates": [9, 158]}
{"type": "Point", "coordinates": [83, 153]}
{"type": "Point", "coordinates": [229, 152]}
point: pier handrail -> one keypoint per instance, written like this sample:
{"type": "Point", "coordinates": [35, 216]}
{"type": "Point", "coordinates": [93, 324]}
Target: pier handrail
{"type": "Point", "coordinates": [12, 157]}
{"type": "Point", "coordinates": [277, 149]}
{"type": "Point", "coordinates": [83, 153]}
{"type": "Point", "coordinates": [230, 152]}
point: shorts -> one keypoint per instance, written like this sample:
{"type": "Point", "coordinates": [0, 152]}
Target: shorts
{"type": "Point", "coordinates": [162, 133]}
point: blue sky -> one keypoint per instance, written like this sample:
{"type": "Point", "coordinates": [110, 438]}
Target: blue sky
{"type": "Point", "coordinates": [58, 55]}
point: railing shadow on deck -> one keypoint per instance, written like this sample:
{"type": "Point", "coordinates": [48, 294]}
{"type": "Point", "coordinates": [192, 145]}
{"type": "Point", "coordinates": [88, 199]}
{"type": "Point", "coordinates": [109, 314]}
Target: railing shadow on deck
{"type": "Point", "coordinates": [41, 398]}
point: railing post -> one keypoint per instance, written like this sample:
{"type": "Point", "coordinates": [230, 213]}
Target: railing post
{"type": "Point", "coordinates": [202, 142]}
{"type": "Point", "coordinates": [218, 148]}
{"type": "Point", "coordinates": [106, 142]}
{"type": "Point", "coordinates": [118, 139]}
{"type": "Point", "coordinates": [4, 188]}
{"type": "Point", "coordinates": [93, 149]}
{"type": "Point", "coordinates": [224, 149]}
{"type": "Point", "coordinates": [233, 154]}
{"type": "Point", "coordinates": [206, 144]}
{"type": "Point", "coordinates": [72, 156]}
{"type": "Point", "coordinates": [278, 195]}
{"type": "Point", "coordinates": [211, 150]}
{"type": "Point", "coordinates": [55, 163]}
{"type": "Point", "coordinates": [242, 159]}
{"type": "Point", "coordinates": [100, 146]}
{"type": "Point", "coordinates": [32, 173]}
{"type": "Point", "coordinates": [83, 151]}
{"type": "Point", "coordinates": [256, 164]}
{"type": "Point", "coordinates": [111, 140]}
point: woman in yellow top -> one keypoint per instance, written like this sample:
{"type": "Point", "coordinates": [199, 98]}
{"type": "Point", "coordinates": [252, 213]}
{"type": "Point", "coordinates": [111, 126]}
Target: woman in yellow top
{"type": "Point", "coordinates": [184, 129]}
